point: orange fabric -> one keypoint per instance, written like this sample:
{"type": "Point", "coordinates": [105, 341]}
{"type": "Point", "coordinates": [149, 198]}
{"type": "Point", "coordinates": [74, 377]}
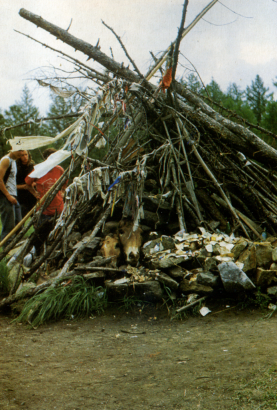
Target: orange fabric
{"type": "Point", "coordinates": [167, 78]}
{"type": "Point", "coordinates": [43, 185]}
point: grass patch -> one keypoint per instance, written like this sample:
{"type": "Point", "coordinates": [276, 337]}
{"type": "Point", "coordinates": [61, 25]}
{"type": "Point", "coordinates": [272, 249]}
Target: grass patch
{"type": "Point", "coordinates": [74, 300]}
{"type": "Point", "coordinates": [4, 273]}
{"type": "Point", "coordinates": [258, 393]}
{"type": "Point", "coordinates": [257, 299]}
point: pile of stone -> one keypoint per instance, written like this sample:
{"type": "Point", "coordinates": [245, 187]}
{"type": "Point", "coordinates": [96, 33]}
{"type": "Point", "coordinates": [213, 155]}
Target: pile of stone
{"type": "Point", "coordinates": [183, 266]}
{"type": "Point", "coordinates": [200, 264]}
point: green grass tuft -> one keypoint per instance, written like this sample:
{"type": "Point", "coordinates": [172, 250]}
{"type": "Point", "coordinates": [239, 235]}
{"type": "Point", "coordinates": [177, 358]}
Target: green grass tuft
{"type": "Point", "coordinates": [78, 299]}
{"type": "Point", "coordinates": [257, 299]}
{"type": "Point", "coordinates": [4, 273]}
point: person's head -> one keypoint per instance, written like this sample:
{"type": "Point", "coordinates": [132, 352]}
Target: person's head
{"type": "Point", "coordinates": [48, 152]}
{"type": "Point", "coordinates": [25, 158]}
{"type": "Point", "coordinates": [15, 154]}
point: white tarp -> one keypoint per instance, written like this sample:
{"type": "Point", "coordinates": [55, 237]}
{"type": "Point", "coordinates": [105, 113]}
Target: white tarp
{"type": "Point", "coordinates": [29, 143]}
{"type": "Point", "coordinates": [54, 159]}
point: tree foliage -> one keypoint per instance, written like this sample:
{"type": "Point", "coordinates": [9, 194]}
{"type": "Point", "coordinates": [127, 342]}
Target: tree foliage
{"type": "Point", "coordinates": [257, 97]}
{"type": "Point", "coordinates": [63, 106]}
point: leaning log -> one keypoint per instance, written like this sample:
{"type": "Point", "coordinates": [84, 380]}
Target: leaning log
{"type": "Point", "coordinates": [260, 151]}
{"type": "Point", "coordinates": [86, 48]}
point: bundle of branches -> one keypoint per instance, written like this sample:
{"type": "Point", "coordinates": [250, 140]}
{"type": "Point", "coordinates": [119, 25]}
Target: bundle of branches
{"type": "Point", "coordinates": [171, 149]}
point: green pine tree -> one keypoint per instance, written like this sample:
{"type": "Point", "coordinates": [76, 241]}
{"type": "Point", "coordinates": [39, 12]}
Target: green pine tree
{"type": "Point", "coordinates": [22, 111]}
{"type": "Point", "coordinates": [258, 97]}
{"type": "Point", "coordinates": [192, 83]}
{"type": "Point", "coordinates": [235, 101]}
{"type": "Point", "coordinates": [62, 106]}
{"type": "Point", "coordinates": [215, 92]}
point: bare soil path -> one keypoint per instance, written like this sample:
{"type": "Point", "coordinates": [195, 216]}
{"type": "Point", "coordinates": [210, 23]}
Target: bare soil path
{"type": "Point", "coordinates": [130, 361]}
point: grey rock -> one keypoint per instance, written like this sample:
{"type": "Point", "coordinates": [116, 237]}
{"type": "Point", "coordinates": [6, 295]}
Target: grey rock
{"type": "Point", "coordinates": [149, 291]}
{"type": "Point", "coordinates": [159, 244]}
{"type": "Point", "coordinates": [204, 253]}
{"type": "Point", "coordinates": [116, 291]}
{"type": "Point", "coordinates": [249, 260]}
{"type": "Point", "coordinates": [216, 249]}
{"type": "Point", "coordinates": [265, 277]}
{"type": "Point", "coordinates": [233, 278]}
{"type": "Point", "coordinates": [12, 276]}
{"type": "Point", "coordinates": [24, 287]}
{"type": "Point", "coordinates": [188, 287]}
{"type": "Point", "coordinates": [274, 255]}
{"type": "Point", "coordinates": [177, 272]}
{"type": "Point", "coordinates": [210, 263]}
{"type": "Point", "coordinates": [272, 291]}
{"type": "Point", "coordinates": [273, 266]}
{"type": "Point", "coordinates": [239, 248]}
{"type": "Point", "coordinates": [207, 279]}
{"type": "Point", "coordinates": [264, 254]}
{"type": "Point", "coordinates": [168, 262]}
{"type": "Point", "coordinates": [165, 279]}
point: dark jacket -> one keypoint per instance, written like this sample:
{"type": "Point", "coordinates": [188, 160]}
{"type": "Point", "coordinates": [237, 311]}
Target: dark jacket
{"type": "Point", "coordinates": [24, 197]}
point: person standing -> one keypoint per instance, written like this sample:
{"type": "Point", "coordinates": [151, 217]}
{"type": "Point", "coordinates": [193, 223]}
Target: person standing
{"type": "Point", "coordinates": [9, 207]}
{"type": "Point", "coordinates": [26, 194]}
{"type": "Point", "coordinates": [43, 184]}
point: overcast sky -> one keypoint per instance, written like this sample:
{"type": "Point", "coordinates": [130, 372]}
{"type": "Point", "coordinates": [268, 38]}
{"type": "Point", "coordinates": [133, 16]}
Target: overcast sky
{"type": "Point", "coordinates": [226, 46]}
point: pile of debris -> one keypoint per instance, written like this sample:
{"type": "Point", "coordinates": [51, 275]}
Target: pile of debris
{"type": "Point", "coordinates": [175, 164]}
{"type": "Point", "coordinates": [183, 266]}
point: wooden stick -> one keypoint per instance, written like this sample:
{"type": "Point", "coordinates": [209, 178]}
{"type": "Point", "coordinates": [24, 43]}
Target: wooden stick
{"type": "Point", "coordinates": [178, 40]}
{"type": "Point", "coordinates": [57, 117]}
{"type": "Point", "coordinates": [192, 193]}
{"type": "Point", "coordinates": [75, 254]}
{"type": "Point", "coordinates": [124, 49]}
{"type": "Point", "coordinates": [17, 238]}
{"type": "Point", "coordinates": [58, 238]}
{"type": "Point", "coordinates": [41, 201]}
{"type": "Point", "coordinates": [86, 48]}
{"type": "Point", "coordinates": [31, 292]}
{"type": "Point", "coordinates": [251, 224]}
{"type": "Point", "coordinates": [97, 74]}
{"type": "Point", "coordinates": [185, 32]}
{"type": "Point", "coordinates": [94, 268]}
{"type": "Point", "coordinates": [191, 304]}
{"type": "Point", "coordinates": [211, 175]}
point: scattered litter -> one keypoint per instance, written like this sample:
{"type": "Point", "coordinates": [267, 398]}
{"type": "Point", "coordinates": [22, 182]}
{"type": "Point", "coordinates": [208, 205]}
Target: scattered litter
{"type": "Point", "coordinates": [271, 306]}
{"type": "Point", "coordinates": [204, 311]}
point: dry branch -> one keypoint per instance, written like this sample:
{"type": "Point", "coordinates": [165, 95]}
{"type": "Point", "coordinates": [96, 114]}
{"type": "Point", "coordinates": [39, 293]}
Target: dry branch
{"type": "Point", "coordinates": [77, 44]}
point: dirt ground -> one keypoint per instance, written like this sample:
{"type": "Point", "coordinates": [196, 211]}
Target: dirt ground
{"type": "Point", "coordinates": [120, 361]}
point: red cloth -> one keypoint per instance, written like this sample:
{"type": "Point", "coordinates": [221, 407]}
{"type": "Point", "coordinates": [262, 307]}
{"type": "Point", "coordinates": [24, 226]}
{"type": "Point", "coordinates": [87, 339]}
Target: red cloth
{"type": "Point", "coordinates": [166, 80]}
{"type": "Point", "coordinates": [43, 185]}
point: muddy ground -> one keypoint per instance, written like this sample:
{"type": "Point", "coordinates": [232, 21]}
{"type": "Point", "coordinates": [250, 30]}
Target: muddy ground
{"type": "Point", "coordinates": [120, 361]}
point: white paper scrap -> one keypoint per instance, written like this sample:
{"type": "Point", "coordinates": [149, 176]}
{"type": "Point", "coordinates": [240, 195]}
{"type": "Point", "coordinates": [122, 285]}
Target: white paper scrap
{"type": "Point", "coordinates": [204, 311]}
